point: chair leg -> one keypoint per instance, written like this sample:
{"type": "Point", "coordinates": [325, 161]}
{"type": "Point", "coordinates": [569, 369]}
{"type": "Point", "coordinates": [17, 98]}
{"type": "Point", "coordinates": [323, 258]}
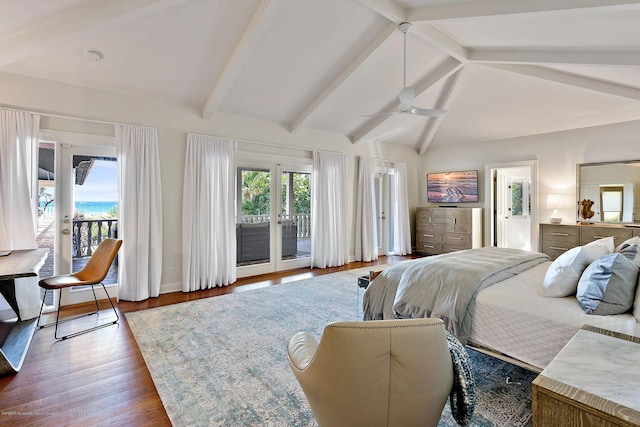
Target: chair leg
{"type": "Point", "coordinates": [84, 331]}
{"type": "Point", "coordinates": [44, 298]}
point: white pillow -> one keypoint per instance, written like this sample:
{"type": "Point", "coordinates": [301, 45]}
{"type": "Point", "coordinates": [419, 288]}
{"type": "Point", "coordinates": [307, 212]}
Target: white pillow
{"type": "Point", "coordinates": [608, 242]}
{"type": "Point", "coordinates": [562, 277]}
{"type": "Point", "coordinates": [635, 240]}
{"type": "Point", "coordinates": [636, 303]}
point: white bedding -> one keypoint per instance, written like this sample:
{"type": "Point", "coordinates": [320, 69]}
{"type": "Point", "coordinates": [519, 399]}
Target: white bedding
{"type": "Point", "coordinates": [513, 318]}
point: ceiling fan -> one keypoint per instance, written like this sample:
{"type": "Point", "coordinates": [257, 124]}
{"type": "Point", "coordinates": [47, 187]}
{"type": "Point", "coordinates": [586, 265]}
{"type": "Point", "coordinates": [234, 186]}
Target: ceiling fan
{"type": "Point", "coordinates": [408, 94]}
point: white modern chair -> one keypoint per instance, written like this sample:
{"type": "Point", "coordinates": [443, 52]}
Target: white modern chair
{"type": "Point", "coordinates": [376, 373]}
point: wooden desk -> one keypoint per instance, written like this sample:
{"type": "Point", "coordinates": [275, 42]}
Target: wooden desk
{"type": "Point", "coordinates": [593, 381]}
{"type": "Point", "coordinates": [18, 265]}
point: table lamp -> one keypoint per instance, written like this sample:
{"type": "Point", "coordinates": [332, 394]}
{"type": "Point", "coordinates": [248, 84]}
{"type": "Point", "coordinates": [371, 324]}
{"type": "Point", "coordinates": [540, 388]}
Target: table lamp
{"type": "Point", "coordinates": [554, 201]}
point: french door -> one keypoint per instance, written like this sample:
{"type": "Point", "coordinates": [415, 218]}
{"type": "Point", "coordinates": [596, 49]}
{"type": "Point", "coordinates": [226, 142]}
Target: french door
{"type": "Point", "coordinates": [384, 200]}
{"type": "Point", "coordinates": [273, 217]}
{"type": "Point", "coordinates": [78, 207]}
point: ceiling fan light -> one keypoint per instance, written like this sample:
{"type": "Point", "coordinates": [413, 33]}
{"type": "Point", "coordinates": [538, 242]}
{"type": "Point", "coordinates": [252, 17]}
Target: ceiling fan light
{"type": "Point", "coordinates": [407, 96]}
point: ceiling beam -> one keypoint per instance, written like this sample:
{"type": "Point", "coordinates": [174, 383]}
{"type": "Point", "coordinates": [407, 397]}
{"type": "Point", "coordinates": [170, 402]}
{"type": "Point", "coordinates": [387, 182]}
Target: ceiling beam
{"type": "Point", "coordinates": [558, 57]}
{"type": "Point", "coordinates": [572, 80]}
{"type": "Point", "coordinates": [397, 14]}
{"type": "Point", "coordinates": [487, 8]}
{"type": "Point", "coordinates": [442, 42]}
{"type": "Point", "coordinates": [443, 71]}
{"type": "Point", "coordinates": [390, 9]}
{"type": "Point", "coordinates": [87, 17]}
{"type": "Point", "coordinates": [361, 61]}
{"type": "Point", "coordinates": [238, 58]}
{"type": "Point", "coordinates": [446, 98]}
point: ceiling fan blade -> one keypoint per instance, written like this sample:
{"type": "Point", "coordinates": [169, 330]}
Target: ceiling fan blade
{"type": "Point", "coordinates": [430, 112]}
{"type": "Point", "coordinates": [386, 113]}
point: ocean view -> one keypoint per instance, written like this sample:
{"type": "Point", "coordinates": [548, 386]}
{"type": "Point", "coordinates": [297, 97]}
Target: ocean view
{"type": "Point", "coordinates": [92, 208]}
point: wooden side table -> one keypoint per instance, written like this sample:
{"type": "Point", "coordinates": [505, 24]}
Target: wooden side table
{"type": "Point", "coordinates": [593, 381]}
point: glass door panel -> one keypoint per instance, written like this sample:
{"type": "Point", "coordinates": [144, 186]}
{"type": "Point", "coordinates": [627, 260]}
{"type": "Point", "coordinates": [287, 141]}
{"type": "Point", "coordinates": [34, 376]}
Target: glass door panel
{"type": "Point", "coordinates": [86, 211]}
{"type": "Point", "coordinates": [46, 233]}
{"type": "Point", "coordinates": [253, 222]}
{"type": "Point", "coordinates": [294, 218]}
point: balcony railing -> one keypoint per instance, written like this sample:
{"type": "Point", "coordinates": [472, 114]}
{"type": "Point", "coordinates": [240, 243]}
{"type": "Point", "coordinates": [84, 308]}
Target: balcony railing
{"type": "Point", "coordinates": [88, 233]}
{"type": "Point", "coordinates": [302, 222]}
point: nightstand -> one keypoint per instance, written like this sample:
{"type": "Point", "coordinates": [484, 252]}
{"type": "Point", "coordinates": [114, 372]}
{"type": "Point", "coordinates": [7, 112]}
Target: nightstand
{"type": "Point", "coordinates": [593, 381]}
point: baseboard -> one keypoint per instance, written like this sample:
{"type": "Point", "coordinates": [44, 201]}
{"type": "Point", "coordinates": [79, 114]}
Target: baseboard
{"type": "Point", "coordinates": [167, 288]}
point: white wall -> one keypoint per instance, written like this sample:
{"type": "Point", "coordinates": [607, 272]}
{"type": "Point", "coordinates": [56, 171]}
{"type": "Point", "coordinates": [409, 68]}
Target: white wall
{"type": "Point", "coordinates": [173, 122]}
{"type": "Point", "coordinates": [557, 154]}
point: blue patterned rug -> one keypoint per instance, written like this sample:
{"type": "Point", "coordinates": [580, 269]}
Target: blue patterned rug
{"type": "Point", "coordinates": [222, 361]}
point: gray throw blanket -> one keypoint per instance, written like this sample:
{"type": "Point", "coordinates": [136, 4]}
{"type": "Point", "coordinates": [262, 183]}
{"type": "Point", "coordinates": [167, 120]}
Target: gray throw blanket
{"type": "Point", "coordinates": [445, 286]}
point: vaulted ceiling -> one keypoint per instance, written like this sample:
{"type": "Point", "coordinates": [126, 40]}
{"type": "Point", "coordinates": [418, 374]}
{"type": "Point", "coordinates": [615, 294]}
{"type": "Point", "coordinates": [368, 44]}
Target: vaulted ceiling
{"type": "Point", "coordinates": [501, 68]}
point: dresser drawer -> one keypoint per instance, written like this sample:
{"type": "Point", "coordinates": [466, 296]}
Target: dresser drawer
{"type": "Point", "coordinates": [555, 249]}
{"type": "Point", "coordinates": [429, 247]}
{"type": "Point", "coordinates": [589, 234]}
{"type": "Point", "coordinates": [458, 239]}
{"type": "Point", "coordinates": [560, 233]}
{"type": "Point", "coordinates": [429, 236]}
{"type": "Point", "coordinates": [453, 248]}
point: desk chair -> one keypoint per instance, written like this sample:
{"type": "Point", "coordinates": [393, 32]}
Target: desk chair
{"type": "Point", "coordinates": [92, 274]}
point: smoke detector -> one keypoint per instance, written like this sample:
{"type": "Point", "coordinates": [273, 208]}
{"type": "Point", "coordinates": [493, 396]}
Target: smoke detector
{"type": "Point", "coordinates": [93, 55]}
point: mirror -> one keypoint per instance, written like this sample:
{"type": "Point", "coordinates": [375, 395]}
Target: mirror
{"type": "Point", "coordinates": [614, 187]}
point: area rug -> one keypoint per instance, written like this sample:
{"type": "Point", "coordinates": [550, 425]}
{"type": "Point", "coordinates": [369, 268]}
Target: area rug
{"type": "Point", "coordinates": [222, 361]}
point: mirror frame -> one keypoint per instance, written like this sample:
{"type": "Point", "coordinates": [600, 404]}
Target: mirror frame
{"type": "Point", "coordinates": [579, 166]}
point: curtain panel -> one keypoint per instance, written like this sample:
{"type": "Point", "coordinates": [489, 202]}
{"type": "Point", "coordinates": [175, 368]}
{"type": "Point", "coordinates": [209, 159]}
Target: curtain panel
{"type": "Point", "coordinates": [366, 234]}
{"type": "Point", "coordinates": [402, 224]}
{"type": "Point", "coordinates": [329, 238]}
{"type": "Point", "coordinates": [140, 213]}
{"type": "Point", "coordinates": [19, 131]}
{"type": "Point", "coordinates": [208, 213]}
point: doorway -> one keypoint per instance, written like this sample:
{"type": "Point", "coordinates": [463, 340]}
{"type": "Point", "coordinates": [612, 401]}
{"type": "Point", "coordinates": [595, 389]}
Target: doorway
{"type": "Point", "coordinates": [273, 220]}
{"type": "Point", "coordinates": [511, 190]}
{"type": "Point", "coordinates": [78, 207]}
{"type": "Point", "coordinates": [385, 197]}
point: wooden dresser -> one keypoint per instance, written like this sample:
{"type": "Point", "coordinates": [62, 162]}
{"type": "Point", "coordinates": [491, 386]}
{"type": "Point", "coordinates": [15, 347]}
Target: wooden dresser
{"type": "Point", "coordinates": [555, 239]}
{"type": "Point", "coordinates": [442, 230]}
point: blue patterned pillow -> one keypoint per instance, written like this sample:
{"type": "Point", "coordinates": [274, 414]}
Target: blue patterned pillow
{"type": "Point", "coordinates": [608, 285]}
{"type": "Point", "coordinates": [463, 393]}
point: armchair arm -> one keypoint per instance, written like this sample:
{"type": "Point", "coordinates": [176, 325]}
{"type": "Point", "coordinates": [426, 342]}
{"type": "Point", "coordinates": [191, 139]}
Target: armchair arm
{"type": "Point", "coordinates": [301, 350]}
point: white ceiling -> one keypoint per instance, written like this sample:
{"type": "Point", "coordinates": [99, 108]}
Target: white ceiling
{"type": "Point", "coordinates": [502, 68]}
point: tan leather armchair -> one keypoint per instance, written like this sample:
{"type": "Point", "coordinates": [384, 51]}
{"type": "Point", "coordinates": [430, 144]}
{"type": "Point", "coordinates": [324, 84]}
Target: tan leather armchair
{"type": "Point", "coordinates": [375, 373]}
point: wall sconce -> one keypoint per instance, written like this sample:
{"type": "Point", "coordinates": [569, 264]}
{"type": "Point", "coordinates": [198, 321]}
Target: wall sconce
{"type": "Point", "coordinates": [555, 202]}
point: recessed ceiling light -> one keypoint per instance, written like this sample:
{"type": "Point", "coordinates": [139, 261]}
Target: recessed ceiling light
{"type": "Point", "coordinates": [93, 55]}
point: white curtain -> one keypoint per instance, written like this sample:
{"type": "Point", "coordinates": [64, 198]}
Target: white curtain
{"type": "Point", "coordinates": [140, 213]}
{"type": "Point", "coordinates": [208, 213]}
{"type": "Point", "coordinates": [18, 179]}
{"type": "Point", "coordinates": [401, 226]}
{"type": "Point", "coordinates": [329, 239]}
{"type": "Point", "coordinates": [366, 234]}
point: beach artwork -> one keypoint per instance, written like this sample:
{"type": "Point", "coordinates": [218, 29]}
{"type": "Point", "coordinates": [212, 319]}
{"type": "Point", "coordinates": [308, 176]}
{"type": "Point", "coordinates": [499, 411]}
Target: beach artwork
{"type": "Point", "coordinates": [452, 187]}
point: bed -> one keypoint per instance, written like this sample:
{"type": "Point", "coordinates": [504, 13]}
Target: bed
{"type": "Point", "coordinates": [508, 316]}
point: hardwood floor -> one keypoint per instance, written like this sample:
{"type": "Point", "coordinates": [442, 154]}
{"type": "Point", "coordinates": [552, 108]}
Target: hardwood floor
{"type": "Point", "coordinates": [100, 378]}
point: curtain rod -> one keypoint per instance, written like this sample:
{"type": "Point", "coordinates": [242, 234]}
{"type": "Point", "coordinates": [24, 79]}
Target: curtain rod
{"type": "Point", "coordinates": [62, 116]}
{"type": "Point", "coordinates": [381, 160]}
{"type": "Point", "coordinates": [268, 144]}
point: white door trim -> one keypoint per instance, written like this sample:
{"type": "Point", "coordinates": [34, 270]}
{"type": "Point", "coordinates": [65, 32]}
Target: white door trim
{"type": "Point", "coordinates": [490, 198]}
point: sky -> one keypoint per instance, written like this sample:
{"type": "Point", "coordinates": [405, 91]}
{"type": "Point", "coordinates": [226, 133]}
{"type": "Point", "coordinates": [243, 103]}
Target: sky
{"type": "Point", "coordinates": [101, 185]}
